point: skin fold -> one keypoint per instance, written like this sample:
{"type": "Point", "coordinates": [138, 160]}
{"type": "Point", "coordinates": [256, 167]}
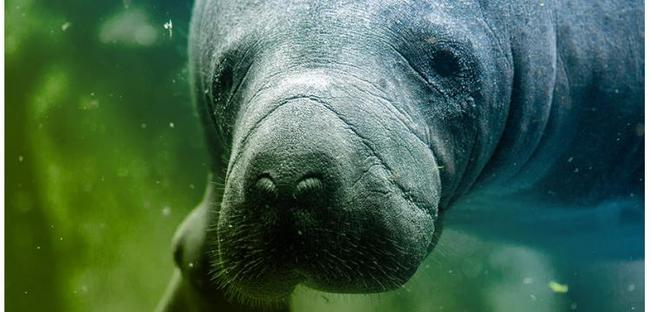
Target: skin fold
{"type": "Point", "coordinates": [342, 133]}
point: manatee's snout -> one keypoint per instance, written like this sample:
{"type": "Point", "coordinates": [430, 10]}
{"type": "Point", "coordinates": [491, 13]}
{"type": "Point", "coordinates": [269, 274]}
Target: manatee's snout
{"type": "Point", "coordinates": [306, 191]}
{"type": "Point", "coordinates": [297, 192]}
{"type": "Point", "coordinates": [291, 167]}
{"type": "Point", "coordinates": [308, 201]}
{"type": "Point", "coordinates": [298, 184]}
{"type": "Point", "coordinates": [305, 179]}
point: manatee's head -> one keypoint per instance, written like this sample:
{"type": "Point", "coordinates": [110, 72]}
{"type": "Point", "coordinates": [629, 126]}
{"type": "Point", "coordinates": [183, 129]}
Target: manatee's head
{"type": "Point", "coordinates": [335, 126]}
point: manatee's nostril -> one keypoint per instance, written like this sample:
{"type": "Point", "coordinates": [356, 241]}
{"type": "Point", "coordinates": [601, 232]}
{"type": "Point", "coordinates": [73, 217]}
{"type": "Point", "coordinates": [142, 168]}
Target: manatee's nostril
{"type": "Point", "coordinates": [266, 187]}
{"type": "Point", "coordinates": [308, 187]}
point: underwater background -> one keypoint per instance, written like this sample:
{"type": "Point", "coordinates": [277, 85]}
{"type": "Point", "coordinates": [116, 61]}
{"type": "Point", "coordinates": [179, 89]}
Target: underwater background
{"type": "Point", "coordinates": [104, 157]}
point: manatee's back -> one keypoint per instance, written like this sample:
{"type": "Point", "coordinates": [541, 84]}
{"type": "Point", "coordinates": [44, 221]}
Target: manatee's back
{"type": "Point", "coordinates": [581, 192]}
{"type": "Point", "coordinates": [575, 127]}
{"type": "Point", "coordinates": [600, 52]}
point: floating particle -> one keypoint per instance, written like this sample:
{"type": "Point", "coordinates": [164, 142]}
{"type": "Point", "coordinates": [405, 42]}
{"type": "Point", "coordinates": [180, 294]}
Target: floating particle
{"type": "Point", "coordinates": [20, 158]}
{"type": "Point", "coordinates": [65, 26]}
{"type": "Point", "coordinates": [169, 26]}
{"type": "Point", "coordinates": [528, 280]}
{"type": "Point", "coordinates": [558, 288]}
{"type": "Point", "coordinates": [171, 125]}
{"type": "Point", "coordinates": [166, 211]}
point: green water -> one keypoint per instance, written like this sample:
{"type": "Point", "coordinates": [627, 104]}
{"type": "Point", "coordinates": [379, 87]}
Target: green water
{"type": "Point", "coordinates": [104, 156]}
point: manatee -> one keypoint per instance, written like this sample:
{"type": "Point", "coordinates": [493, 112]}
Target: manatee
{"type": "Point", "coordinates": [344, 134]}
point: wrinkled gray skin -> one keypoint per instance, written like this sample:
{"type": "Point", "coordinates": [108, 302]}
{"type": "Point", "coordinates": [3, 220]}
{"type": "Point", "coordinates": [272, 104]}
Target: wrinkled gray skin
{"type": "Point", "coordinates": [347, 128]}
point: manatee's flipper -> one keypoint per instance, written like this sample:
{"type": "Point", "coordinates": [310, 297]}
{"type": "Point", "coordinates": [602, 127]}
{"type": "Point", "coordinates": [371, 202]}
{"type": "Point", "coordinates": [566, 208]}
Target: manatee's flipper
{"type": "Point", "coordinates": [189, 287]}
{"type": "Point", "coordinates": [181, 295]}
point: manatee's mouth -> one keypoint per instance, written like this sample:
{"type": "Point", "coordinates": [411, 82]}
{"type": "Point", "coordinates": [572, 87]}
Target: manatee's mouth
{"type": "Point", "coordinates": [263, 256]}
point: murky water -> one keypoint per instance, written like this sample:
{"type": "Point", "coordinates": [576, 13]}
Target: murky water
{"type": "Point", "coordinates": [105, 157]}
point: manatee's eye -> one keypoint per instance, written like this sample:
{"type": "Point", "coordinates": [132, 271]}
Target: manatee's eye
{"type": "Point", "coordinates": [446, 63]}
{"type": "Point", "coordinates": [452, 60]}
{"type": "Point", "coordinates": [453, 67]}
{"type": "Point", "coordinates": [220, 95]}
{"type": "Point", "coordinates": [222, 82]}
